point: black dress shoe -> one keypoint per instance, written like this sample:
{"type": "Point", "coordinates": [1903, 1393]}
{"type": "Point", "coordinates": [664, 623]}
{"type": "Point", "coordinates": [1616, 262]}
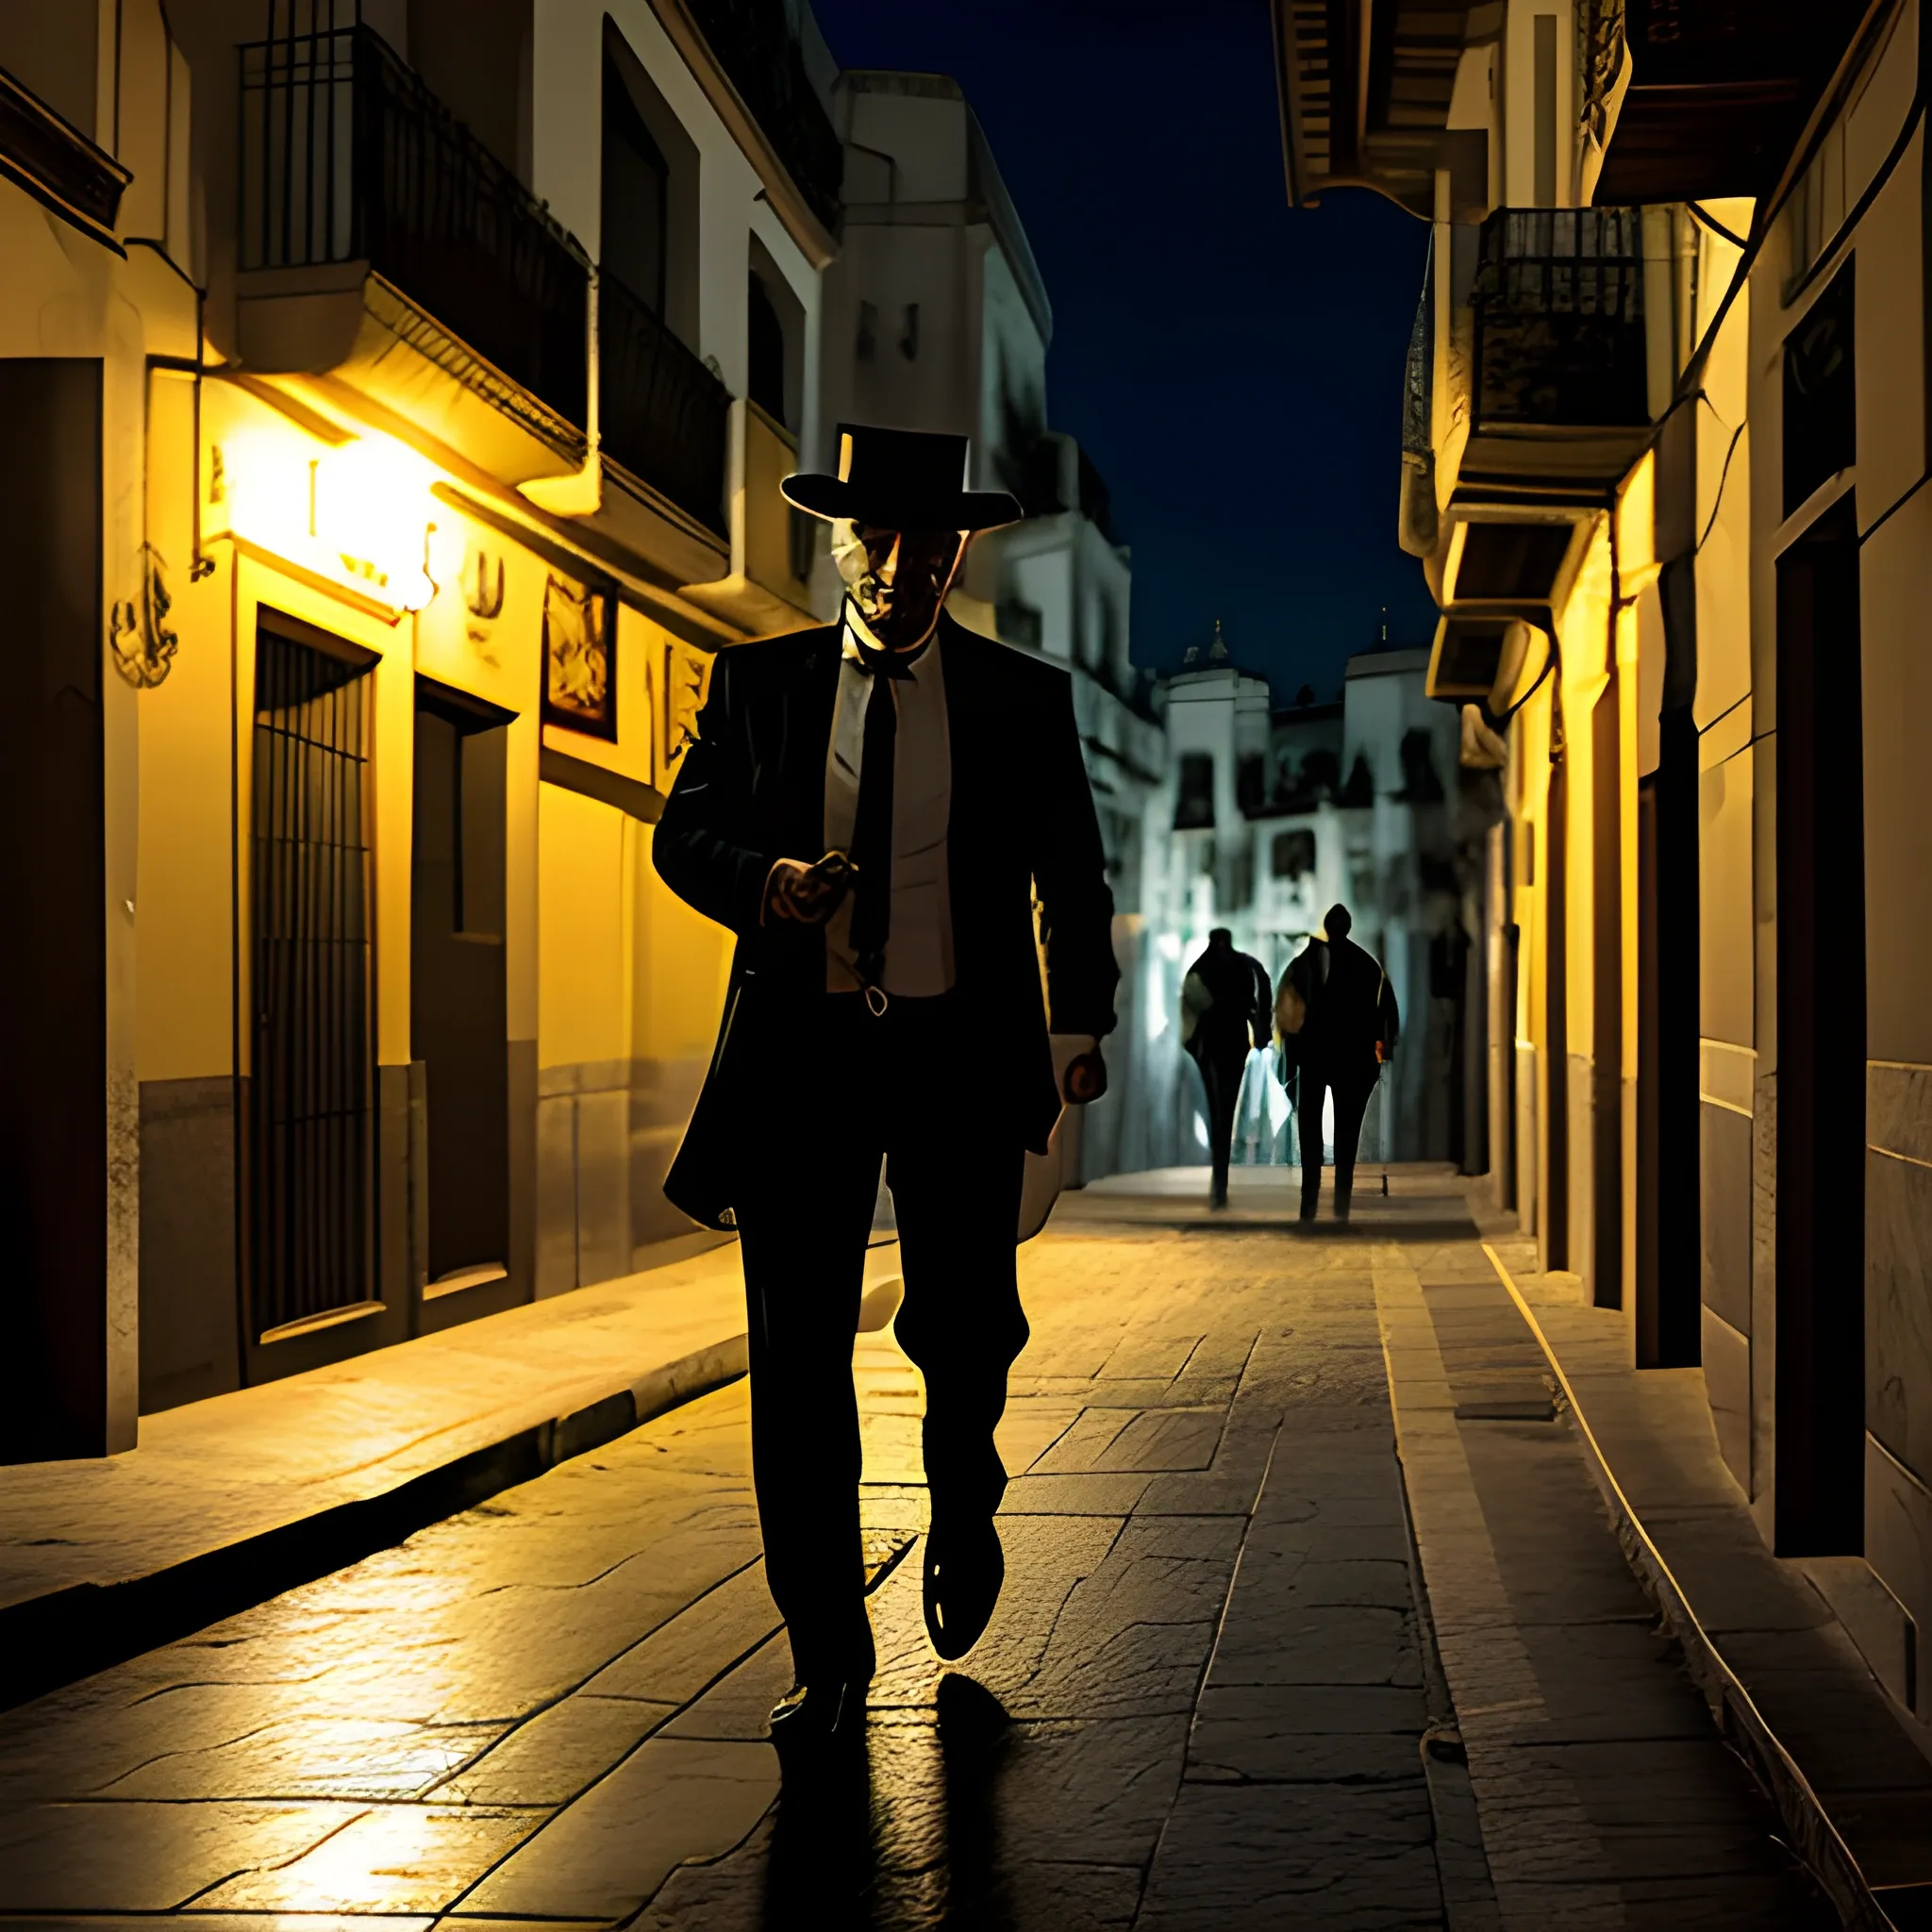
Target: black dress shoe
{"type": "Point", "coordinates": [820, 1716]}
{"type": "Point", "coordinates": [965, 1567]}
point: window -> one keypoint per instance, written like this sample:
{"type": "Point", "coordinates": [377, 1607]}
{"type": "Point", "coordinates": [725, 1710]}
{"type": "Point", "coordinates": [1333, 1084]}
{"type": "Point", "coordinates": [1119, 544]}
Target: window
{"type": "Point", "coordinates": [1294, 854]}
{"type": "Point", "coordinates": [1194, 806]}
{"type": "Point", "coordinates": [1251, 782]}
{"type": "Point", "coordinates": [637, 180]}
{"type": "Point", "coordinates": [766, 334]}
{"type": "Point", "coordinates": [1821, 426]}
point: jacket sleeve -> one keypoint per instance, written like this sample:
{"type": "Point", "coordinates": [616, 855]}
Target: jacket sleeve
{"type": "Point", "coordinates": [1069, 876]}
{"type": "Point", "coordinates": [702, 847]}
{"type": "Point", "coordinates": [1263, 1019]}
{"type": "Point", "coordinates": [1390, 1027]}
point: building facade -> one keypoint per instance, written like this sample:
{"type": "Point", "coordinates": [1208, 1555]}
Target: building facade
{"type": "Point", "coordinates": [1663, 463]}
{"type": "Point", "coordinates": [397, 399]}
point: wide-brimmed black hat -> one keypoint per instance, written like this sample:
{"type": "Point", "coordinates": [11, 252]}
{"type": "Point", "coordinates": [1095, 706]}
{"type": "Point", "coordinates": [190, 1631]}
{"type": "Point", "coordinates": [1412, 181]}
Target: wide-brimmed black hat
{"type": "Point", "coordinates": [901, 480]}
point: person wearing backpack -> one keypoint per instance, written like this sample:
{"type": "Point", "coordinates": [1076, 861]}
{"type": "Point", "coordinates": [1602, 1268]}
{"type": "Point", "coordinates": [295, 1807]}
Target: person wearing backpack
{"type": "Point", "coordinates": [1337, 1023]}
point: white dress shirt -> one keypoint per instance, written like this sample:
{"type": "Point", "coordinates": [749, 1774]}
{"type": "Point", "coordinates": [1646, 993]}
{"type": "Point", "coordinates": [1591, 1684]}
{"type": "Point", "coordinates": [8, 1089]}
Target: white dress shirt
{"type": "Point", "coordinates": [919, 939]}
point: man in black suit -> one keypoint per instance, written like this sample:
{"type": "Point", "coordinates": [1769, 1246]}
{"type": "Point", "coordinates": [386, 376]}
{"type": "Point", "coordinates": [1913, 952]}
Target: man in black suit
{"type": "Point", "coordinates": [1349, 1031]}
{"type": "Point", "coordinates": [1225, 1010]}
{"type": "Point", "coordinates": [873, 809]}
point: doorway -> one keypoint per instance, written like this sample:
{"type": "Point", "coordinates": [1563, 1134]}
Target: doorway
{"type": "Point", "coordinates": [458, 1013]}
{"type": "Point", "coordinates": [1820, 1247]}
{"type": "Point", "coordinates": [310, 1242]}
{"type": "Point", "coordinates": [1553, 1220]}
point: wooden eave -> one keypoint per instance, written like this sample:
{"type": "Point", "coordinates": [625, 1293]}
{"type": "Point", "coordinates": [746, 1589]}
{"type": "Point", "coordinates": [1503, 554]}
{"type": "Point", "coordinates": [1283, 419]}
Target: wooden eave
{"type": "Point", "coordinates": [1364, 89]}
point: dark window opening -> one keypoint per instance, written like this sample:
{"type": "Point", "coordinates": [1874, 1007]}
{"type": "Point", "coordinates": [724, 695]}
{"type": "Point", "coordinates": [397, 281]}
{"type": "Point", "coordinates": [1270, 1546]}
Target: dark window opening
{"type": "Point", "coordinates": [1294, 854]}
{"type": "Point", "coordinates": [1361, 789]}
{"type": "Point", "coordinates": [1195, 805]}
{"type": "Point", "coordinates": [637, 190]}
{"type": "Point", "coordinates": [1821, 427]}
{"type": "Point", "coordinates": [1251, 782]}
{"type": "Point", "coordinates": [766, 345]}
{"type": "Point", "coordinates": [1421, 785]}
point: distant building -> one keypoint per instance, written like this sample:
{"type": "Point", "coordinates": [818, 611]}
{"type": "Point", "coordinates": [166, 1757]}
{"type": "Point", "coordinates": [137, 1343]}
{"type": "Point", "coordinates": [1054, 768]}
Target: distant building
{"type": "Point", "coordinates": [1265, 819]}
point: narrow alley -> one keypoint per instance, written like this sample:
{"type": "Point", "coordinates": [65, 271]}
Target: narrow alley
{"type": "Point", "coordinates": [1215, 1693]}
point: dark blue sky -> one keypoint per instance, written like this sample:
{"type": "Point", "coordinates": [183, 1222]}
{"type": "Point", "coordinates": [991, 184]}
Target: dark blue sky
{"type": "Point", "coordinates": [1233, 366]}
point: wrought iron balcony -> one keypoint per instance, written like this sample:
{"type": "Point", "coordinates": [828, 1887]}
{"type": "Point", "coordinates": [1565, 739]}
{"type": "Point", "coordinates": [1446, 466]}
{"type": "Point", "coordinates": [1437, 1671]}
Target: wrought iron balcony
{"type": "Point", "coordinates": [756, 46]}
{"type": "Point", "coordinates": [661, 412]}
{"type": "Point", "coordinates": [347, 157]}
{"type": "Point", "coordinates": [1559, 331]}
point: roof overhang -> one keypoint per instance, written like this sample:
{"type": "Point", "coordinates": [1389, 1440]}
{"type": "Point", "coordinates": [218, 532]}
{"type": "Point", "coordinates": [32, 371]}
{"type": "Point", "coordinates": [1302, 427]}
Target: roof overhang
{"type": "Point", "coordinates": [1364, 89]}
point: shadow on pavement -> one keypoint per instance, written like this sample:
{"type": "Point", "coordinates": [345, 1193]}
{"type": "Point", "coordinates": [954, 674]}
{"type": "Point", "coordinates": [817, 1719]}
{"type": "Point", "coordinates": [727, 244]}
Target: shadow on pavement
{"type": "Point", "coordinates": [838, 1856]}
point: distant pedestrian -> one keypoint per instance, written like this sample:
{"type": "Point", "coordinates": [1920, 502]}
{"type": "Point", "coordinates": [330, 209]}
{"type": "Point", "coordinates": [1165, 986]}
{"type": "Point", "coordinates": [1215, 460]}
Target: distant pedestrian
{"type": "Point", "coordinates": [1224, 1008]}
{"type": "Point", "coordinates": [1349, 1023]}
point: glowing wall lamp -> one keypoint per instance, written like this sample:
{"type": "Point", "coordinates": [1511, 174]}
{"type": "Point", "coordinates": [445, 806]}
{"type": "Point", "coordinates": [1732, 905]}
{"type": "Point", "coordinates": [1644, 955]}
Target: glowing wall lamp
{"type": "Point", "coordinates": [359, 514]}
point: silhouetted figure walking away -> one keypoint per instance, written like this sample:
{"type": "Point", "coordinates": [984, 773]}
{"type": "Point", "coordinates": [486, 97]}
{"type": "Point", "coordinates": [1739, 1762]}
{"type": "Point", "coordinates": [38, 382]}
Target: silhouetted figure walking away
{"type": "Point", "coordinates": [1224, 1008]}
{"type": "Point", "coordinates": [1348, 1031]}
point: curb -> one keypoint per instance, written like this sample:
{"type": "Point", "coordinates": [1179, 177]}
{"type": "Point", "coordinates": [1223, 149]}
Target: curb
{"type": "Point", "coordinates": [51, 1640]}
{"type": "Point", "coordinates": [1813, 1835]}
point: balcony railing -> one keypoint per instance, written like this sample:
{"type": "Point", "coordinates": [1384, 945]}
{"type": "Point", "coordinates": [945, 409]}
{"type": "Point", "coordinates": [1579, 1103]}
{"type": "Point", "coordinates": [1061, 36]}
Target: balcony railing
{"type": "Point", "coordinates": [1558, 302]}
{"type": "Point", "coordinates": [661, 412]}
{"type": "Point", "coordinates": [347, 156]}
{"type": "Point", "coordinates": [756, 46]}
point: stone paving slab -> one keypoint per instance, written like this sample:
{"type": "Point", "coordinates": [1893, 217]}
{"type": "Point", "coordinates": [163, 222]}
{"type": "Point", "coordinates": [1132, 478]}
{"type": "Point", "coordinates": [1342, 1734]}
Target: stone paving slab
{"type": "Point", "coordinates": [1863, 1767]}
{"type": "Point", "coordinates": [231, 1500]}
{"type": "Point", "coordinates": [1606, 1795]}
{"type": "Point", "coordinates": [1211, 1694]}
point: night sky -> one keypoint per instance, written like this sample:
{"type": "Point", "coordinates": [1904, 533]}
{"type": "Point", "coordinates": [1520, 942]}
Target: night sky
{"type": "Point", "coordinates": [1232, 365]}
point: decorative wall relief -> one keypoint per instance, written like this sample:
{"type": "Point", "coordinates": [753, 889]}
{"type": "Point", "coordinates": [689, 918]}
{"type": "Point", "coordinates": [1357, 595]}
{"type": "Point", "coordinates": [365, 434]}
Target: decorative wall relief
{"type": "Point", "coordinates": [686, 677]}
{"type": "Point", "coordinates": [143, 645]}
{"type": "Point", "coordinates": [482, 587]}
{"type": "Point", "coordinates": [483, 584]}
{"type": "Point", "coordinates": [579, 659]}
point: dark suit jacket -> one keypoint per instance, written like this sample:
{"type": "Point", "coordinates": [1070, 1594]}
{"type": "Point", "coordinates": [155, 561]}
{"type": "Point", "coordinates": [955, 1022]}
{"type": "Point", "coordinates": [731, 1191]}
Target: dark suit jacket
{"type": "Point", "coordinates": [1351, 1006]}
{"type": "Point", "coordinates": [750, 790]}
{"type": "Point", "coordinates": [1243, 1004]}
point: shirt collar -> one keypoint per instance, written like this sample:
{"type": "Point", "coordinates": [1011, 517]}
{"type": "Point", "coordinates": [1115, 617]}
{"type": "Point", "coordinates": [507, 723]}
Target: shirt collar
{"type": "Point", "coordinates": [860, 650]}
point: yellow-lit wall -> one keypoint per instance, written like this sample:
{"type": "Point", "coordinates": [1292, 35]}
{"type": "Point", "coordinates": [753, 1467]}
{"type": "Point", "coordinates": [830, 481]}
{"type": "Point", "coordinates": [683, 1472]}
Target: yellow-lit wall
{"type": "Point", "coordinates": [632, 983]}
{"type": "Point", "coordinates": [1584, 633]}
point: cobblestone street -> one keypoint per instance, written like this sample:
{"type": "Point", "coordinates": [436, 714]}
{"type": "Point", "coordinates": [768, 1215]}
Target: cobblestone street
{"type": "Point", "coordinates": [1214, 1694]}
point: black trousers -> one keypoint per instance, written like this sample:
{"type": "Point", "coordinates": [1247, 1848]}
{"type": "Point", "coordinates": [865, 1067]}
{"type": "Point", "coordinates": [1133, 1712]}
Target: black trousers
{"type": "Point", "coordinates": [1222, 1075]}
{"type": "Point", "coordinates": [1351, 1091]}
{"type": "Point", "coordinates": [857, 1087]}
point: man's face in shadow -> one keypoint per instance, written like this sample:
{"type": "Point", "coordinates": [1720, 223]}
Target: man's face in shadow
{"type": "Point", "coordinates": [898, 578]}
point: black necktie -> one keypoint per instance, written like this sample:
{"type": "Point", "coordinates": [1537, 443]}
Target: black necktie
{"type": "Point", "coordinates": [872, 825]}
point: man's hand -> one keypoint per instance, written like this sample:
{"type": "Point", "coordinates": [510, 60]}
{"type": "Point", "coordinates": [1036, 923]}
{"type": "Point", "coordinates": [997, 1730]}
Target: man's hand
{"type": "Point", "coordinates": [805, 894]}
{"type": "Point", "coordinates": [1085, 1078]}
